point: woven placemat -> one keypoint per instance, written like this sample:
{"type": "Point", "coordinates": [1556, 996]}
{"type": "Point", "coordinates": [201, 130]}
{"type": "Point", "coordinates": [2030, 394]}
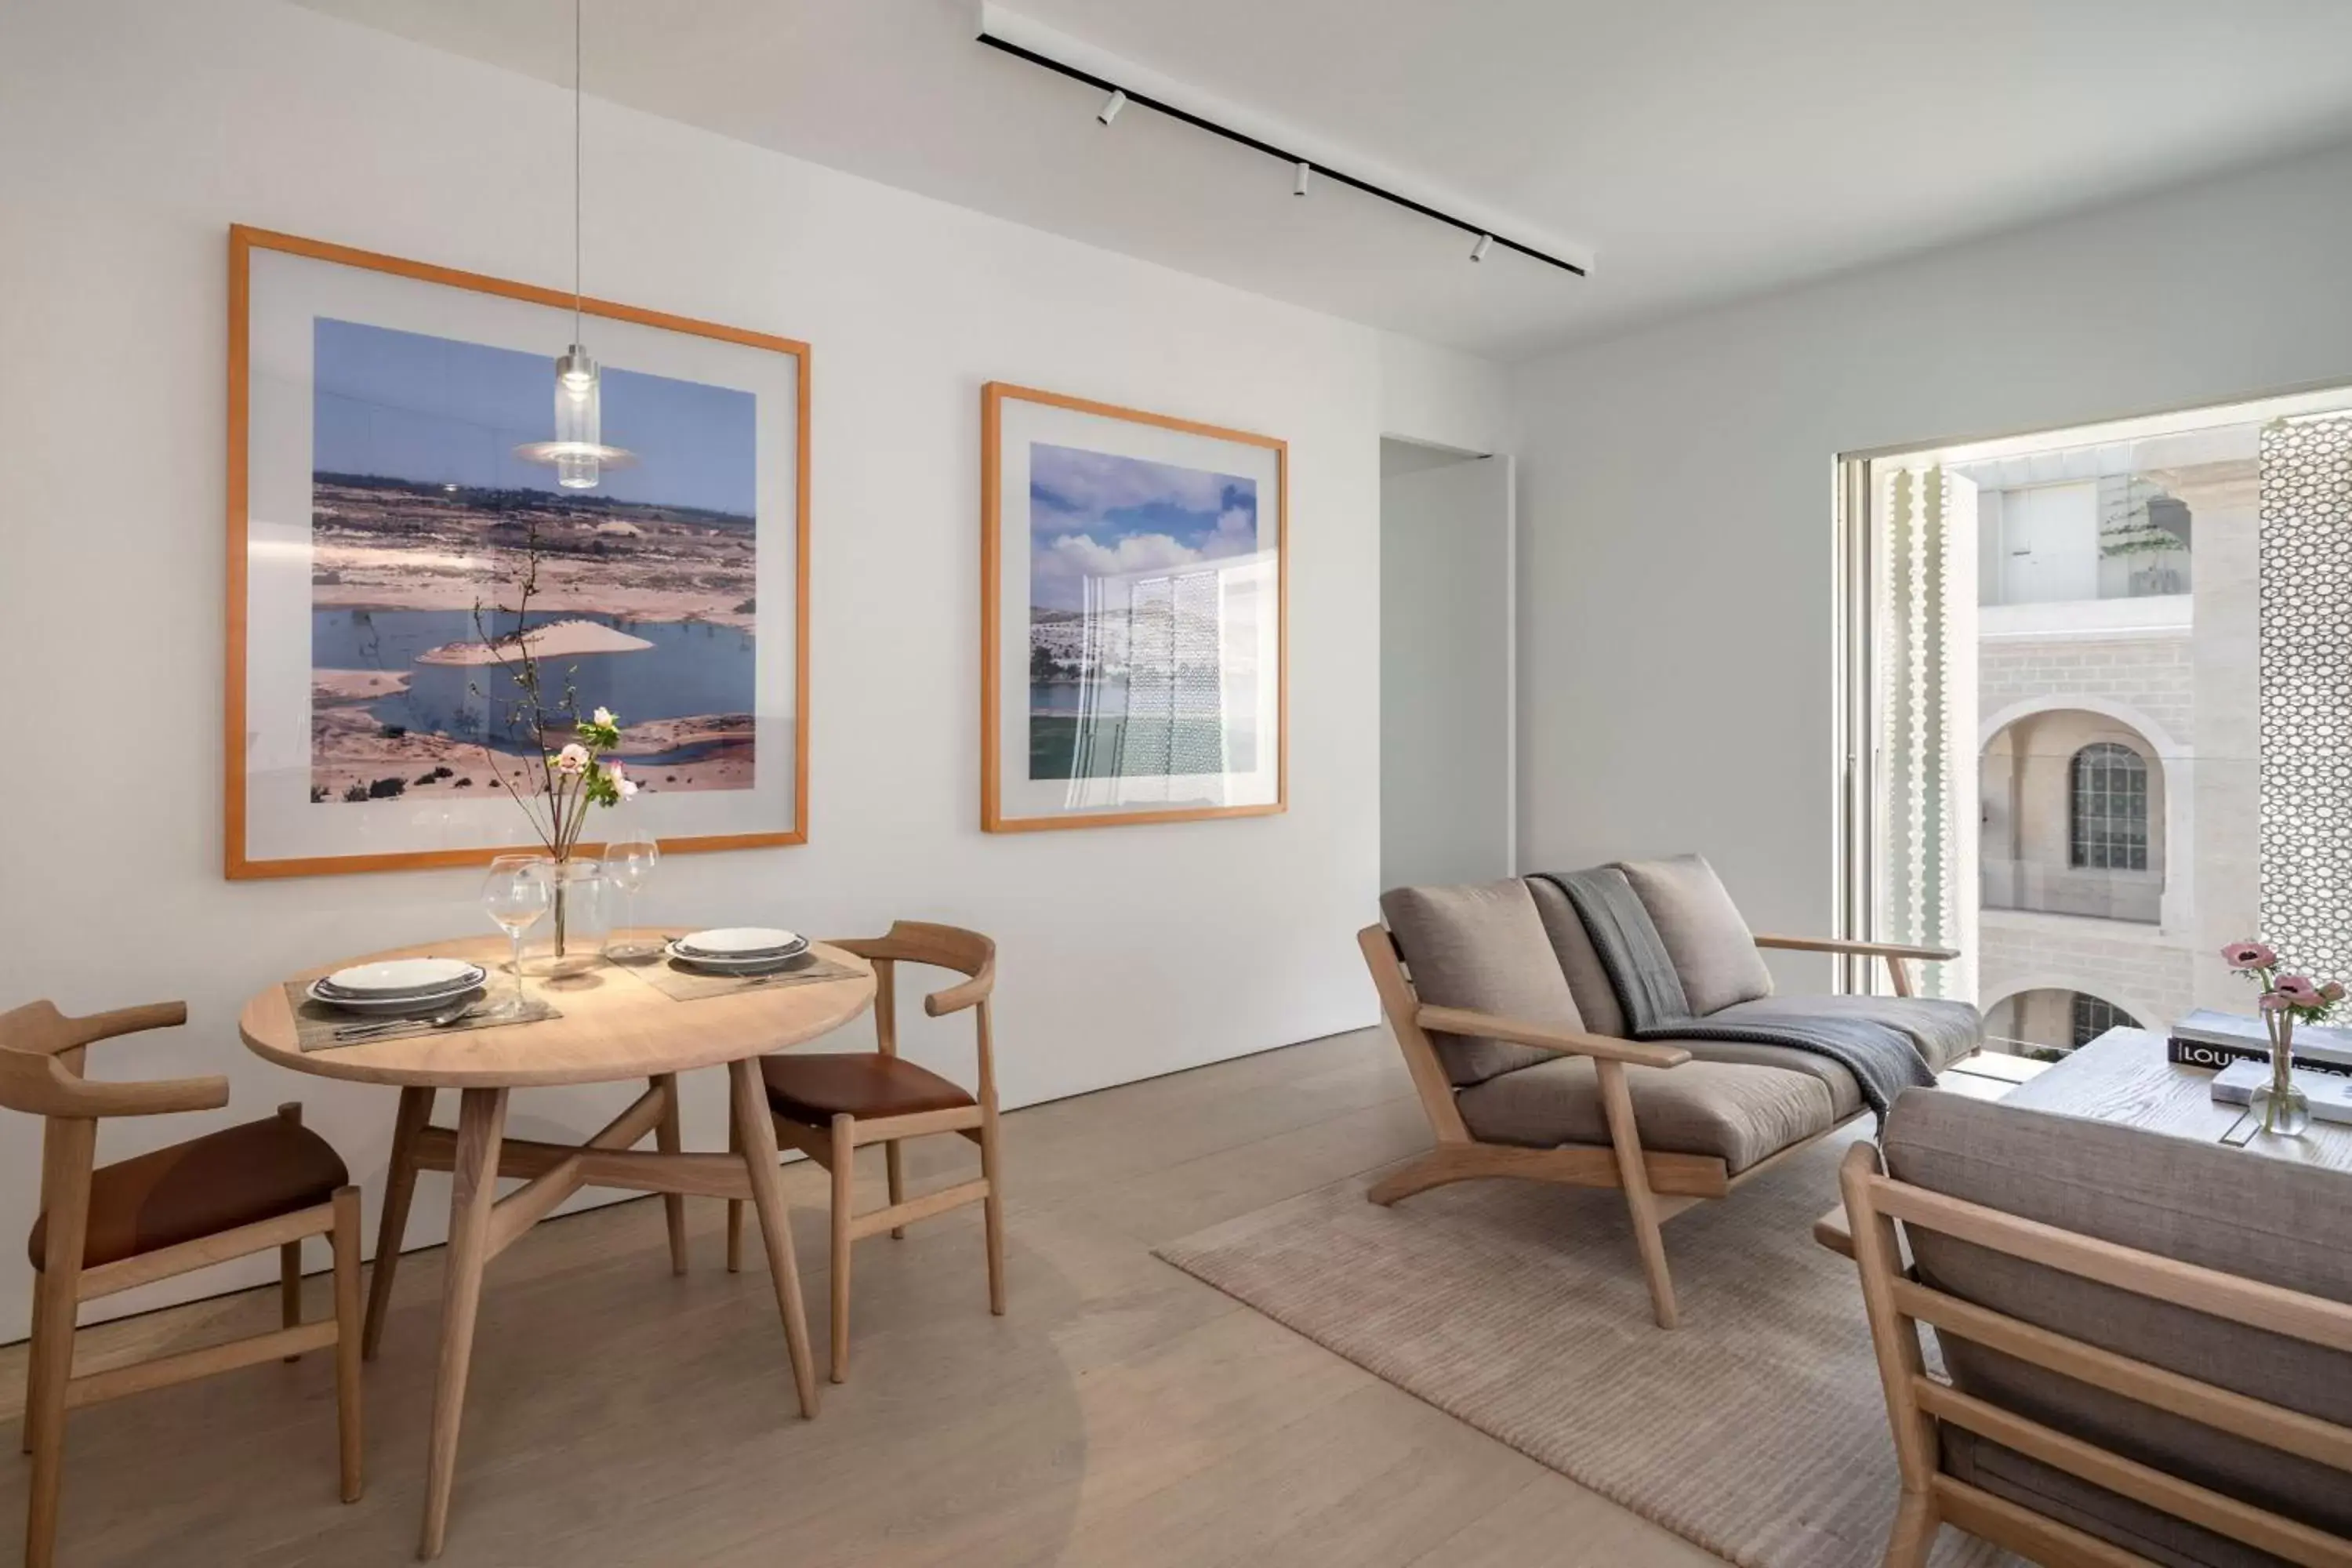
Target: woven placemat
{"type": "Point", "coordinates": [315, 1023]}
{"type": "Point", "coordinates": [679, 984]}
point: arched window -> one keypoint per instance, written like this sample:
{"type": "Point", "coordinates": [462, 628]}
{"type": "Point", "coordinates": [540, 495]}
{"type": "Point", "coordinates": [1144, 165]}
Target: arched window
{"type": "Point", "coordinates": [2095, 1015]}
{"type": "Point", "coordinates": [2107, 815]}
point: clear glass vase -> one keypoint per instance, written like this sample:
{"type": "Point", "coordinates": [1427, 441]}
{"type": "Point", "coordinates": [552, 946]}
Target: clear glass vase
{"type": "Point", "coordinates": [572, 938]}
{"type": "Point", "coordinates": [2277, 1103]}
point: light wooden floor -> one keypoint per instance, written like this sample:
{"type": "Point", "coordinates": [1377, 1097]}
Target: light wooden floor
{"type": "Point", "coordinates": [1123, 1413]}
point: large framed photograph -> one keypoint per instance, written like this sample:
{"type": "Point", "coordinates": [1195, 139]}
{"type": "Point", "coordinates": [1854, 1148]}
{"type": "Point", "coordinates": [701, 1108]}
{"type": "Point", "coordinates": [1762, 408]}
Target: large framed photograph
{"type": "Point", "coordinates": [385, 511]}
{"type": "Point", "coordinates": [1134, 634]}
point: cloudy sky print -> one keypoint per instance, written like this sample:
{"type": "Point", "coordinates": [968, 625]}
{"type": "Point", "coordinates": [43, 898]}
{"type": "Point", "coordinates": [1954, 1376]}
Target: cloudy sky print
{"type": "Point", "coordinates": [1098, 514]}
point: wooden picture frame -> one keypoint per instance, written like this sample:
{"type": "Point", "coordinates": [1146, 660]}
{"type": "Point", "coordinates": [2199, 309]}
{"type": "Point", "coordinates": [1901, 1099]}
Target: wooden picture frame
{"type": "Point", "coordinates": [243, 857]}
{"type": "Point", "coordinates": [1168, 445]}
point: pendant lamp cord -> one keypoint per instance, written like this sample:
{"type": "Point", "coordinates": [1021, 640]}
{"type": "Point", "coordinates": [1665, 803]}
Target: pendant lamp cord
{"type": "Point", "coordinates": [576, 89]}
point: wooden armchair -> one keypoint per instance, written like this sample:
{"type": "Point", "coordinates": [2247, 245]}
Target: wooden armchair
{"type": "Point", "coordinates": [829, 1104]}
{"type": "Point", "coordinates": [2144, 1339]}
{"type": "Point", "coordinates": [108, 1229]}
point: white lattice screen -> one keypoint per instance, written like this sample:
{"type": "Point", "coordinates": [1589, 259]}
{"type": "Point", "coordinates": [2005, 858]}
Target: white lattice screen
{"type": "Point", "coordinates": [2306, 692]}
{"type": "Point", "coordinates": [1926, 774]}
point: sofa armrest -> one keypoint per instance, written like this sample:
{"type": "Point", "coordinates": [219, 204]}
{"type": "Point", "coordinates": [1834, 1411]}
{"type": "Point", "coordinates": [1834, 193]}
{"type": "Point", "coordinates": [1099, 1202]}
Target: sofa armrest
{"type": "Point", "coordinates": [1867, 949]}
{"type": "Point", "coordinates": [1898, 956]}
{"type": "Point", "coordinates": [1566, 1042]}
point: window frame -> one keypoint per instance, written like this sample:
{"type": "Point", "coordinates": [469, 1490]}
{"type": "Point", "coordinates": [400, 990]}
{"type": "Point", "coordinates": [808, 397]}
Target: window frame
{"type": "Point", "coordinates": [2105, 780]}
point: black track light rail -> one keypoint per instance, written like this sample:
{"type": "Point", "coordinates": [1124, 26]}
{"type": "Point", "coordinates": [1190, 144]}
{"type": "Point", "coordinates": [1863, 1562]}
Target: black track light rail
{"type": "Point", "coordinates": [1271, 150]}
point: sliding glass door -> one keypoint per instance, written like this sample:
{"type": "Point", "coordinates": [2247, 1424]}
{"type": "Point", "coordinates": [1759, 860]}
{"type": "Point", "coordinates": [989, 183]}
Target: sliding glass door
{"type": "Point", "coordinates": [2096, 716]}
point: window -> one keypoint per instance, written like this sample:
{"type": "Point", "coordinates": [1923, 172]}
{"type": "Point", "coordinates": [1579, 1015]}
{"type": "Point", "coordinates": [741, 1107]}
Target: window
{"type": "Point", "coordinates": [2094, 1016]}
{"type": "Point", "coordinates": [2108, 822]}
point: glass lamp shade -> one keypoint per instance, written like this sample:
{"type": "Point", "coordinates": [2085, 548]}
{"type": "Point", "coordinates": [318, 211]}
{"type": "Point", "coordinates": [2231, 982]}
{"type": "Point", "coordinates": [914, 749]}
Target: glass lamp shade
{"type": "Point", "coordinates": [578, 421]}
{"type": "Point", "coordinates": [578, 451]}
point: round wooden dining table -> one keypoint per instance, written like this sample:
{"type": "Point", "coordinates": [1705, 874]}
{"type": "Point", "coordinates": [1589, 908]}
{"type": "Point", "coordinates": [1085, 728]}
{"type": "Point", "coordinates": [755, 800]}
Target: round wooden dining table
{"type": "Point", "coordinates": [614, 1026]}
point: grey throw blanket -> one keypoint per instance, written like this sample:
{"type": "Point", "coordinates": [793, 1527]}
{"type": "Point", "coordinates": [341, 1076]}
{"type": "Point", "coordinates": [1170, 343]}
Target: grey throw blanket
{"type": "Point", "coordinates": [1883, 1060]}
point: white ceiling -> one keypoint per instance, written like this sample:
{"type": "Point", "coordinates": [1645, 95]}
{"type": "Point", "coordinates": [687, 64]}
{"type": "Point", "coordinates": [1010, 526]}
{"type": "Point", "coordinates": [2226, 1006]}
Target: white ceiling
{"type": "Point", "coordinates": [1701, 149]}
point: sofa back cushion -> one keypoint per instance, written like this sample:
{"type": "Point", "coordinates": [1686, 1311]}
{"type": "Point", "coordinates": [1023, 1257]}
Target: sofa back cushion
{"type": "Point", "coordinates": [1712, 948]}
{"type": "Point", "coordinates": [2259, 1217]}
{"type": "Point", "coordinates": [1587, 981]}
{"type": "Point", "coordinates": [1481, 945]}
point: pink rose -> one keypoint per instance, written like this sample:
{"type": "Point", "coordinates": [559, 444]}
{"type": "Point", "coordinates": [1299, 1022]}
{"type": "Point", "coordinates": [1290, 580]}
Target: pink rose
{"type": "Point", "coordinates": [2249, 955]}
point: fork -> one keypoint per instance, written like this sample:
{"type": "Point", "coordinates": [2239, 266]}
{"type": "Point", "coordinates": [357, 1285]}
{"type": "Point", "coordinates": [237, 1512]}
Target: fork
{"type": "Point", "coordinates": [440, 1020]}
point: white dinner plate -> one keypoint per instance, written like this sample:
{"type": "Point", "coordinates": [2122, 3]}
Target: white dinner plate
{"type": "Point", "coordinates": [431, 1002]}
{"type": "Point", "coordinates": [743, 942]}
{"type": "Point", "coordinates": [758, 964]}
{"type": "Point", "coordinates": [404, 977]}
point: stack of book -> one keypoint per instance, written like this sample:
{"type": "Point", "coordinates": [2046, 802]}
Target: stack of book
{"type": "Point", "coordinates": [2207, 1038]}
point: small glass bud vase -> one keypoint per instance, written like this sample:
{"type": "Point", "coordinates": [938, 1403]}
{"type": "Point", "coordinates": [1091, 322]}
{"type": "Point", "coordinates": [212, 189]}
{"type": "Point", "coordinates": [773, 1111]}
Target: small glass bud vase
{"type": "Point", "coordinates": [2277, 1103]}
{"type": "Point", "coordinates": [571, 939]}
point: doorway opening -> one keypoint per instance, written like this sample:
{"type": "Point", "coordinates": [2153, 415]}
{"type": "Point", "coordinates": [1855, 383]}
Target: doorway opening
{"type": "Point", "coordinates": [1448, 696]}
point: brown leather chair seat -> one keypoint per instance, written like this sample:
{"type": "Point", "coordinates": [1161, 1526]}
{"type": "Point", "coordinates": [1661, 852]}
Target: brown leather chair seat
{"type": "Point", "coordinates": [207, 1186]}
{"type": "Point", "coordinates": [814, 1087]}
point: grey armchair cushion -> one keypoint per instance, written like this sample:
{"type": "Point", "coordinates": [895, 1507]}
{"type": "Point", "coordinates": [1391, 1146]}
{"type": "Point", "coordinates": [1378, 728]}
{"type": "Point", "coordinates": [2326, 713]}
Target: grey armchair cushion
{"type": "Point", "coordinates": [1735, 1111]}
{"type": "Point", "coordinates": [2250, 1214]}
{"type": "Point", "coordinates": [1481, 945]}
{"type": "Point", "coordinates": [1943, 1031]}
{"type": "Point", "coordinates": [1587, 981]}
{"type": "Point", "coordinates": [1712, 948]}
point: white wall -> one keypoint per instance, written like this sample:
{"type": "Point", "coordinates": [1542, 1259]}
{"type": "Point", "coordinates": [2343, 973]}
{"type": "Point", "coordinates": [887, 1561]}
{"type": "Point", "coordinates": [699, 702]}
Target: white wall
{"type": "Point", "coordinates": [1675, 489]}
{"type": "Point", "coordinates": [132, 134]}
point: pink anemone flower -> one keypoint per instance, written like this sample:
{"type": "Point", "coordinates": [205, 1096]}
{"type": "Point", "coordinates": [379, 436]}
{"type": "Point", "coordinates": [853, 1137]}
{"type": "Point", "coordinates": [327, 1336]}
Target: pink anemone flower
{"type": "Point", "coordinates": [2249, 955]}
{"type": "Point", "coordinates": [2298, 990]}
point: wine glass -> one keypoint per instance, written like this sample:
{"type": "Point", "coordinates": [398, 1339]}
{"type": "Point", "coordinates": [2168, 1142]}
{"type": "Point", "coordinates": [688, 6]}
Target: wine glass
{"type": "Point", "coordinates": [628, 860]}
{"type": "Point", "coordinates": [518, 895]}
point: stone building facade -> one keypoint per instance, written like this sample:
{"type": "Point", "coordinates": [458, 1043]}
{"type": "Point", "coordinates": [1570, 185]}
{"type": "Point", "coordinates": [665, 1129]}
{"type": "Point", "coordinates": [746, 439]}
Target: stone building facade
{"type": "Point", "coordinates": [2115, 698]}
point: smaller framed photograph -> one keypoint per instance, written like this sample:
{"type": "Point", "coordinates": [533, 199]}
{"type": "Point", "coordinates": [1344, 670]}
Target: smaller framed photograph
{"type": "Point", "coordinates": [1134, 624]}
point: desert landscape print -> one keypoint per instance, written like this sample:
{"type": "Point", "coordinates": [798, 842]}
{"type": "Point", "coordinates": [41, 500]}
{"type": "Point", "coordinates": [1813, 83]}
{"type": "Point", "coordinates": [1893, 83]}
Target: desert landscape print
{"type": "Point", "coordinates": [422, 520]}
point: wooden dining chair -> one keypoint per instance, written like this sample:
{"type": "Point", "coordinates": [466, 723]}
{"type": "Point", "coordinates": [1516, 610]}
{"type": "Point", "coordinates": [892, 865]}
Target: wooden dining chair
{"type": "Point", "coordinates": [105, 1228]}
{"type": "Point", "coordinates": [828, 1104]}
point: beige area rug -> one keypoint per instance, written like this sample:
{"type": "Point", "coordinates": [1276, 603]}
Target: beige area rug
{"type": "Point", "coordinates": [1756, 1430]}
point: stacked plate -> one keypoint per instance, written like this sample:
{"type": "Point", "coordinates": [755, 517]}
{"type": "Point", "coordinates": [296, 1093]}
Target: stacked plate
{"type": "Point", "coordinates": [739, 950]}
{"type": "Point", "coordinates": [399, 984]}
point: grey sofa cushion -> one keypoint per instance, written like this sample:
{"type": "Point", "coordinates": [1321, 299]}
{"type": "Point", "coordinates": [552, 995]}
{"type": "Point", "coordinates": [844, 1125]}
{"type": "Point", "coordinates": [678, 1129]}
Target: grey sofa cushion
{"type": "Point", "coordinates": [2250, 1214]}
{"type": "Point", "coordinates": [1844, 1092]}
{"type": "Point", "coordinates": [1712, 948]}
{"type": "Point", "coordinates": [1735, 1111]}
{"type": "Point", "coordinates": [1481, 945]}
{"type": "Point", "coordinates": [1587, 981]}
{"type": "Point", "coordinates": [1943, 1031]}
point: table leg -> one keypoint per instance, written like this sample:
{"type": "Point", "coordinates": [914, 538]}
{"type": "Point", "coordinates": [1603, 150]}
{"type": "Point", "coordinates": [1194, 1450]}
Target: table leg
{"type": "Point", "coordinates": [667, 1139]}
{"type": "Point", "coordinates": [750, 1113]}
{"type": "Point", "coordinates": [400, 1185]}
{"type": "Point", "coordinates": [474, 1181]}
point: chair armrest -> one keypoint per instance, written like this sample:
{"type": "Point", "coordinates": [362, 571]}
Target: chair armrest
{"type": "Point", "coordinates": [41, 1086]}
{"type": "Point", "coordinates": [956, 999]}
{"type": "Point", "coordinates": [150, 1097]}
{"type": "Point", "coordinates": [1867, 949]}
{"type": "Point", "coordinates": [1565, 1042]}
{"type": "Point", "coordinates": [127, 1021]}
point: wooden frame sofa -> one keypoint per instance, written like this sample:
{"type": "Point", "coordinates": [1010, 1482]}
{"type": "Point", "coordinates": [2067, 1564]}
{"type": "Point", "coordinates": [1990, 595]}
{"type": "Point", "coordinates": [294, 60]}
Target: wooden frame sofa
{"type": "Point", "coordinates": [2147, 1340]}
{"type": "Point", "coordinates": [1516, 1047]}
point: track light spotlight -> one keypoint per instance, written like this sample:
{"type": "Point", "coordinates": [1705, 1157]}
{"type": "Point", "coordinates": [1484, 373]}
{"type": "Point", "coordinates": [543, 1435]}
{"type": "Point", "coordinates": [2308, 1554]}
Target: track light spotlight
{"type": "Point", "coordinates": [1478, 251]}
{"type": "Point", "coordinates": [1299, 186]}
{"type": "Point", "coordinates": [1112, 105]}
